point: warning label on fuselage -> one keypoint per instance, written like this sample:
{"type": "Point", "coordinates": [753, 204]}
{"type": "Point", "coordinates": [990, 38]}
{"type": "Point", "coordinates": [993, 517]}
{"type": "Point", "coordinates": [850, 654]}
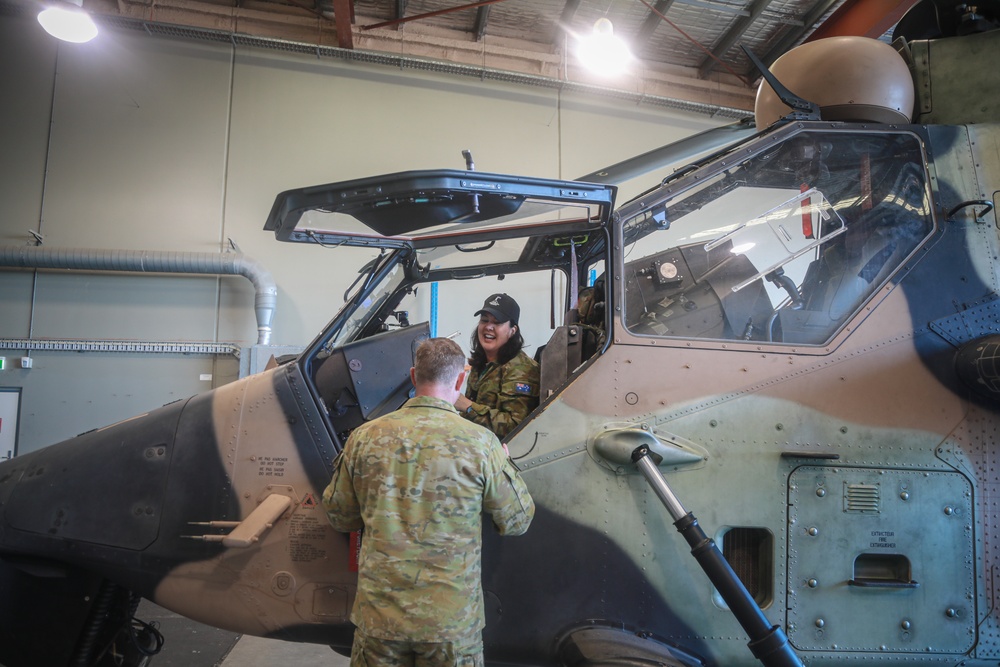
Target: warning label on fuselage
{"type": "Point", "coordinates": [306, 537]}
{"type": "Point", "coordinates": [272, 466]}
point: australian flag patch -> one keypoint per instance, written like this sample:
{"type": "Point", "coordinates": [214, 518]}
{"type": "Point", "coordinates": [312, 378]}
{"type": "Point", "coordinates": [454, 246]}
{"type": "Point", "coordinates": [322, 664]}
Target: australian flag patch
{"type": "Point", "coordinates": [522, 388]}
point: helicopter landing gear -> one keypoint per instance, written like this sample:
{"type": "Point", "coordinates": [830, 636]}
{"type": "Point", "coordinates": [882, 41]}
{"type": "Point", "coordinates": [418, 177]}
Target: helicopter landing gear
{"type": "Point", "coordinates": [113, 636]}
{"type": "Point", "coordinates": [603, 646]}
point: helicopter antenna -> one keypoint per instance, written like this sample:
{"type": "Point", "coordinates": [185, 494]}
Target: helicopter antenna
{"type": "Point", "coordinates": [801, 109]}
{"type": "Point", "coordinates": [470, 166]}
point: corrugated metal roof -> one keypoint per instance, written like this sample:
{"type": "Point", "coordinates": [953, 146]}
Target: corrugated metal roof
{"type": "Point", "coordinates": [687, 50]}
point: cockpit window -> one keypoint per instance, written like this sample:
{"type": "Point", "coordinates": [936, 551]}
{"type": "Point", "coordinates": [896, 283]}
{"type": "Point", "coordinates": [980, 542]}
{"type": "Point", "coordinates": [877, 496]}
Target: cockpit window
{"type": "Point", "coordinates": [364, 309]}
{"type": "Point", "coordinates": [783, 247]}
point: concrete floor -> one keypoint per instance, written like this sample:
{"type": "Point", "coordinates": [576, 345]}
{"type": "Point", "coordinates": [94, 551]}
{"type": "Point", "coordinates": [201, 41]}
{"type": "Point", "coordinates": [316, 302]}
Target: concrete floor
{"type": "Point", "coordinates": [257, 652]}
{"type": "Point", "coordinates": [188, 643]}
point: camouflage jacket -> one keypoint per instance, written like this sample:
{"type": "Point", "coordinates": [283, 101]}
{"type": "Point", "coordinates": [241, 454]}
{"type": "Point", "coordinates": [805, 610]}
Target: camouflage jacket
{"type": "Point", "coordinates": [418, 481]}
{"type": "Point", "coordinates": [502, 396]}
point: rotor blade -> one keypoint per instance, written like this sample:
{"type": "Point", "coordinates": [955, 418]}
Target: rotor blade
{"type": "Point", "coordinates": [678, 151]}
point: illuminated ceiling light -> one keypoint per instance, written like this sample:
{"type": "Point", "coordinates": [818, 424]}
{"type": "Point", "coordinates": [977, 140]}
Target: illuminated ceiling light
{"type": "Point", "coordinates": [603, 52]}
{"type": "Point", "coordinates": [66, 20]}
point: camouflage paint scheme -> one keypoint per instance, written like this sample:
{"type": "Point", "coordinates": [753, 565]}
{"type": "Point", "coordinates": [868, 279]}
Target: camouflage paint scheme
{"type": "Point", "coordinates": [419, 562]}
{"type": "Point", "coordinates": [503, 395]}
{"type": "Point", "coordinates": [883, 395]}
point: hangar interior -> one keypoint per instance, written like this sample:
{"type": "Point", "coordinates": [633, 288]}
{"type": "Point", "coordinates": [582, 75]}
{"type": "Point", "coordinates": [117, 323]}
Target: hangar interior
{"type": "Point", "coordinates": [164, 142]}
{"type": "Point", "coordinates": [162, 145]}
{"type": "Point", "coordinates": [139, 170]}
{"type": "Point", "coordinates": [173, 132]}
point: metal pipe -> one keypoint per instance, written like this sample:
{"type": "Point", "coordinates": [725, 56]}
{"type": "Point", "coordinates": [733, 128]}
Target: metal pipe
{"type": "Point", "coordinates": [655, 479]}
{"type": "Point", "coordinates": [86, 259]}
{"type": "Point", "coordinates": [107, 345]}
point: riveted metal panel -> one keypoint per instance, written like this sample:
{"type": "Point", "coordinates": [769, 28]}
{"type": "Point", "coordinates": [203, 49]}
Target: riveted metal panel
{"type": "Point", "coordinates": [880, 560]}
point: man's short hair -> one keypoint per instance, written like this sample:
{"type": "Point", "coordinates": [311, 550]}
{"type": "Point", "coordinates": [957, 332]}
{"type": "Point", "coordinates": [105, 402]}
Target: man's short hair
{"type": "Point", "coordinates": [438, 361]}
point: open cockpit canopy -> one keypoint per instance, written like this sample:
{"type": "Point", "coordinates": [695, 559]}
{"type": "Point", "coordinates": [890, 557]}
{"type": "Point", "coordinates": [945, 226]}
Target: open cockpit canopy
{"type": "Point", "coordinates": [419, 209]}
{"type": "Point", "coordinates": [437, 233]}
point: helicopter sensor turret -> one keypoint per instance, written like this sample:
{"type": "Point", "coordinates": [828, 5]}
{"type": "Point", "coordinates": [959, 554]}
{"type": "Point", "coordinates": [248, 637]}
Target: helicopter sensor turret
{"type": "Point", "coordinates": [851, 79]}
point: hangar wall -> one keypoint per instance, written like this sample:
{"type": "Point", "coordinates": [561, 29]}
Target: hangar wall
{"type": "Point", "coordinates": [148, 143]}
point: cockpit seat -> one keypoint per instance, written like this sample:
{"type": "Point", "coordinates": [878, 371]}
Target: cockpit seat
{"type": "Point", "coordinates": [569, 346]}
{"type": "Point", "coordinates": [590, 304]}
{"type": "Point", "coordinates": [574, 342]}
{"type": "Point", "coordinates": [849, 270]}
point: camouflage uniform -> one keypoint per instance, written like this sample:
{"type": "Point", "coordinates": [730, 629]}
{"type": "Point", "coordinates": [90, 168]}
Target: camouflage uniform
{"type": "Point", "coordinates": [502, 396]}
{"type": "Point", "coordinates": [418, 480]}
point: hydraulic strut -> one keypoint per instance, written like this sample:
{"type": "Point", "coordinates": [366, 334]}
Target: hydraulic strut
{"type": "Point", "coordinates": [767, 642]}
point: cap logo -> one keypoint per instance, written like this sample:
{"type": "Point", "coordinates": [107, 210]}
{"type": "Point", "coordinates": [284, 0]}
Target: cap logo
{"type": "Point", "coordinates": [495, 301]}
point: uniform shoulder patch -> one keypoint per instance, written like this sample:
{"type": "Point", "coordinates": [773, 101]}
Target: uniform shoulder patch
{"type": "Point", "coordinates": [522, 388]}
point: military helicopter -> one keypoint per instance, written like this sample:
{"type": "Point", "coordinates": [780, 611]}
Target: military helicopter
{"type": "Point", "coordinates": [794, 336]}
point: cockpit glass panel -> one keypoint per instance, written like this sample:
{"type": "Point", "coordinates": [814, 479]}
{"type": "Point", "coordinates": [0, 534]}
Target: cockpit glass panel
{"type": "Point", "coordinates": [496, 251]}
{"type": "Point", "coordinates": [369, 305]}
{"type": "Point", "coordinates": [417, 209]}
{"type": "Point", "coordinates": [395, 286]}
{"type": "Point", "coordinates": [783, 247]}
{"type": "Point", "coordinates": [433, 215]}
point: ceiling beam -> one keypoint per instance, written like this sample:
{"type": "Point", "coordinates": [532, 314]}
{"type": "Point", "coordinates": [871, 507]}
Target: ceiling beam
{"type": "Point", "coordinates": [427, 15]}
{"type": "Point", "coordinates": [482, 20]}
{"type": "Point", "coordinates": [733, 34]}
{"type": "Point", "coordinates": [694, 41]}
{"type": "Point", "coordinates": [565, 19]}
{"type": "Point", "coordinates": [309, 7]}
{"type": "Point", "coordinates": [867, 18]}
{"type": "Point", "coordinates": [792, 37]}
{"type": "Point", "coordinates": [343, 17]}
{"type": "Point", "coordinates": [649, 25]}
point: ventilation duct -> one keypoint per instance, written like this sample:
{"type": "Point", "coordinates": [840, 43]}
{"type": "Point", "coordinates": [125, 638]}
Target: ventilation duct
{"type": "Point", "coordinates": [147, 261]}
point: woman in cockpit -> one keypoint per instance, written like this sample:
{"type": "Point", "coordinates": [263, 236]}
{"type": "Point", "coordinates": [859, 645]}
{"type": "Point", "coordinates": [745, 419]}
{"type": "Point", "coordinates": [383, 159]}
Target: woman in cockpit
{"type": "Point", "coordinates": [503, 382]}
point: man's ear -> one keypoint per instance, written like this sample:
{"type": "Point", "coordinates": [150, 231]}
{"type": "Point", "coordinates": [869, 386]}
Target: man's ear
{"type": "Point", "coordinates": [413, 376]}
{"type": "Point", "coordinates": [460, 381]}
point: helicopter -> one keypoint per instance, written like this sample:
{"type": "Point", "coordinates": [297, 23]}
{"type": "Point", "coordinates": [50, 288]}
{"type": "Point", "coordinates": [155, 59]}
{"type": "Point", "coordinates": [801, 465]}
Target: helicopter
{"type": "Point", "coordinates": [794, 335]}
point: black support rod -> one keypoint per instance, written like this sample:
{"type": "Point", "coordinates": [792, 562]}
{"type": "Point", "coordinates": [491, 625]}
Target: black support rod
{"type": "Point", "coordinates": [767, 642]}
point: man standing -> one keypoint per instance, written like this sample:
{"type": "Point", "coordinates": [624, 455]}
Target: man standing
{"type": "Point", "coordinates": [418, 480]}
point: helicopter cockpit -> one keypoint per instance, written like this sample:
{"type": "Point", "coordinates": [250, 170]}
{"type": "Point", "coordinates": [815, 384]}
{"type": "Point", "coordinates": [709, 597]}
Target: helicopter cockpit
{"type": "Point", "coordinates": [437, 233]}
{"type": "Point", "coordinates": [781, 246]}
{"type": "Point", "coordinates": [780, 240]}
{"type": "Point", "coordinates": [361, 371]}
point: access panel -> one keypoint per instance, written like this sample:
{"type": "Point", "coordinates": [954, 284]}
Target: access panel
{"type": "Point", "coordinates": [880, 560]}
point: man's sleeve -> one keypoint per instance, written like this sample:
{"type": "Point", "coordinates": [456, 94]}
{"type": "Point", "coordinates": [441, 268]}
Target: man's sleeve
{"type": "Point", "coordinates": [506, 496]}
{"type": "Point", "coordinates": [340, 501]}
